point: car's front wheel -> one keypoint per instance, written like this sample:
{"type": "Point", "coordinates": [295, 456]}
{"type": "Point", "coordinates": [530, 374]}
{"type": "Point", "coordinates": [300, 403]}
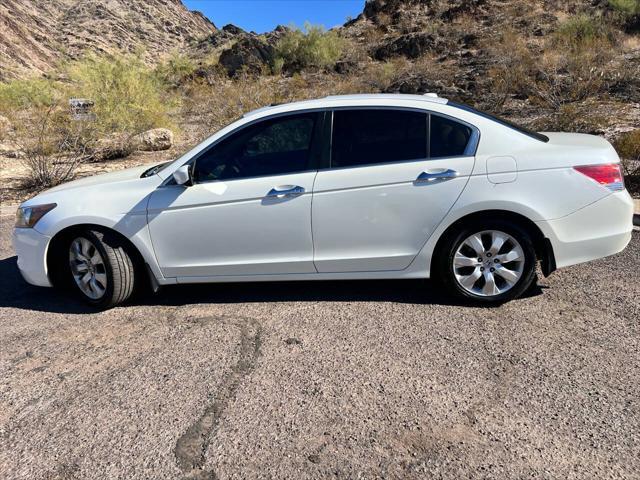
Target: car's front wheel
{"type": "Point", "coordinates": [101, 268]}
{"type": "Point", "coordinates": [489, 262]}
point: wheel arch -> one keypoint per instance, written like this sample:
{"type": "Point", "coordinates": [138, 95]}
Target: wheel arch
{"type": "Point", "coordinates": [56, 264]}
{"type": "Point", "coordinates": [542, 245]}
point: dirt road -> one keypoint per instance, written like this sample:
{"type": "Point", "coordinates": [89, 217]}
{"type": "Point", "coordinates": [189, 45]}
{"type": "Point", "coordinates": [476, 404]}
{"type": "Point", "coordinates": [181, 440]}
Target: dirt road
{"type": "Point", "coordinates": [314, 380]}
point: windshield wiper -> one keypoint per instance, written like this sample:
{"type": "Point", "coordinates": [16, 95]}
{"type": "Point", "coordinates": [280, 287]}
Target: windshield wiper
{"type": "Point", "coordinates": [153, 170]}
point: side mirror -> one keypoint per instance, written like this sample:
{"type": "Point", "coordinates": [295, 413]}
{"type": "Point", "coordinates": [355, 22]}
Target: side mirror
{"type": "Point", "coordinates": [182, 175]}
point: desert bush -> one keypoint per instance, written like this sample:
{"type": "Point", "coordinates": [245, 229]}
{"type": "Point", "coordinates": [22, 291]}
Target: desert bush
{"type": "Point", "coordinates": [207, 107]}
{"type": "Point", "coordinates": [628, 147]}
{"type": "Point", "coordinates": [52, 146]}
{"type": "Point", "coordinates": [563, 77]}
{"type": "Point", "coordinates": [572, 117]}
{"type": "Point", "coordinates": [129, 97]}
{"type": "Point", "coordinates": [584, 32]}
{"type": "Point", "coordinates": [626, 7]}
{"type": "Point", "coordinates": [571, 66]}
{"type": "Point", "coordinates": [175, 69]}
{"type": "Point", "coordinates": [212, 105]}
{"type": "Point", "coordinates": [299, 49]}
{"type": "Point", "coordinates": [22, 94]}
{"type": "Point", "coordinates": [626, 13]}
{"type": "Point", "coordinates": [513, 67]}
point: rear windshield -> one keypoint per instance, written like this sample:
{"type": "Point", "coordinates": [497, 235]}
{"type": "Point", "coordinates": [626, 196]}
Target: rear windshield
{"type": "Point", "coordinates": [501, 121]}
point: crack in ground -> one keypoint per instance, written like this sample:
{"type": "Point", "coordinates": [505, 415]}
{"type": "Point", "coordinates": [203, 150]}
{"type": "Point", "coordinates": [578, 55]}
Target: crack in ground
{"type": "Point", "coordinates": [191, 447]}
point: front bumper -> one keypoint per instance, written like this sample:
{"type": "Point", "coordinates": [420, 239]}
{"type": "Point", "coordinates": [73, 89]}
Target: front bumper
{"type": "Point", "coordinates": [595, 231]}
{"type": "Point", "coordinates": [31, 247]}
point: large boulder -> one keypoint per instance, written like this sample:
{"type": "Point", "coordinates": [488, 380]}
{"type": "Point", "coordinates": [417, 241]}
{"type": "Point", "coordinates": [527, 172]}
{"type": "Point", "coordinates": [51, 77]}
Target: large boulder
{"type": "Point", "coordinates": [410, 45]}
{"type": "Point", "coordinates": [250, 54]}
{"type": "Point", "coordinates": [232, 29]}
{"type": "Point", "coordinates": [113, 146]}
{"type": "Point", "coordinates": [153, 140]}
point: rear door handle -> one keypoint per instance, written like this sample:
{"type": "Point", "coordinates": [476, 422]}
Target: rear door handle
{"type": "Point", "coordinates": [285, 191]}
{"type": "Point", "coordinates": [441, 175]}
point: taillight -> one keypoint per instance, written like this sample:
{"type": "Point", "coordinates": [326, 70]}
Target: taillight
{"type": "Point", "coordinates": [608, 175]}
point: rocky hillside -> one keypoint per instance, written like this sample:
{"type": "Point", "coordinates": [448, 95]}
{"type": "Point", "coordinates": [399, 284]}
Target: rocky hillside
{"type": "Point", "coordinates": [35, 34]}
{"type": "Point", "coordinates": [552, 65]}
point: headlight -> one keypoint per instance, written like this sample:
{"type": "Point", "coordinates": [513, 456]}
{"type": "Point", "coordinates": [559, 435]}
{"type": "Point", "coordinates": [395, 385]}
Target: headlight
{"type": "Point", "coordinates": [27, 217]}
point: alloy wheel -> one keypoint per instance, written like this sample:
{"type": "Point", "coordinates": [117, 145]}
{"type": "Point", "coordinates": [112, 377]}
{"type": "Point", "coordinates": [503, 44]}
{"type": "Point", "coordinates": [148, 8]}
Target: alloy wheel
{"type": "Point", "coordinates": [88, 268]}
{"type": "Point", "coordinates": [488, 263]}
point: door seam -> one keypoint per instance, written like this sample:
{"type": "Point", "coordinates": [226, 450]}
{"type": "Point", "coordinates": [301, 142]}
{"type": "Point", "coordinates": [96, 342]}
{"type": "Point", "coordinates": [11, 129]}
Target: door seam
{"type": "Point", "coordinates": [313, 243]}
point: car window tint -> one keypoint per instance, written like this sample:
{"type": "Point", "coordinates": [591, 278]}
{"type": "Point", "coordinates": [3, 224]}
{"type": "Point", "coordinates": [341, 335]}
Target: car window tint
{"type": "Point", "coordinates": [448, 137]}
{"type": "Point", "coordinates": [271, 147]}
{"type": "Point", "coordinates": [367, 136]}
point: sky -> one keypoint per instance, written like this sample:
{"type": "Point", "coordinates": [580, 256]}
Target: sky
{"type": "Point", "coordinates": [264, 15]}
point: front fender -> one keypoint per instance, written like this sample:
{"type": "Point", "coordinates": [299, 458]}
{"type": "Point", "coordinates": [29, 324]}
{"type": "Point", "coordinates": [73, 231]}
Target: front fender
{"type": "Point", "coordinates": [132, 226]}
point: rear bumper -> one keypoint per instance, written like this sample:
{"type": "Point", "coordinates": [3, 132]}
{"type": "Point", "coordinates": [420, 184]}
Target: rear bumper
{"type": "Point", "coordinates": [596, 231]}
{"type": "Point", "coordinates": [31, 248]}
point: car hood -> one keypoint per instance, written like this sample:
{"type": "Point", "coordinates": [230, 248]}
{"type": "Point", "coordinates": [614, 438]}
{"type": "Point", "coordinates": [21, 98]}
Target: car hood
{"type": "Point", "coordinates": [105, 178]}
{"type": "Point", "coordinates": [102, 192]}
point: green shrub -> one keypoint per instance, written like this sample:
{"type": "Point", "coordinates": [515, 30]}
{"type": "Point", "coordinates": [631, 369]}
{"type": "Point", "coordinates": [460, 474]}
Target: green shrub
{"type": "Point", "coordinates": [129, 97]}
{"type": "Point", "coordinates": [22, 94]}
{"type": "Point", "coordinates": [626, 7]}
{"type": "Point", "coordinates": [312, 47]}
{"type": "Point", "coordinates": [628, 145]}
{"type": "Point", "coordinates": [583, 31]}
{"type": "Point", "coordinates": [175, 69]}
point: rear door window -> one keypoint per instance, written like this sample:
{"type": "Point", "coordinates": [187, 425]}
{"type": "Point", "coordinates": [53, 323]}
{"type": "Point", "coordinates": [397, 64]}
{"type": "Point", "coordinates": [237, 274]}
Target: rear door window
{"type": "Point", "coordinates": [370, 136]}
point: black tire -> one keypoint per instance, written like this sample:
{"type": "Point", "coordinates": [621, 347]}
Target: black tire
{"type": "Point", "coordinates": [118, 266]}
{"type": "Point", "coordinates": [450, 245]}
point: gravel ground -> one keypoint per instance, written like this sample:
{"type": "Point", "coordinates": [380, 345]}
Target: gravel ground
{"type": "Point", "coordinates": [312, 380]}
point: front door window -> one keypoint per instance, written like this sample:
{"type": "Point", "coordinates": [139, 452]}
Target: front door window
{"type": "Point", "coordinates": [272, 147]}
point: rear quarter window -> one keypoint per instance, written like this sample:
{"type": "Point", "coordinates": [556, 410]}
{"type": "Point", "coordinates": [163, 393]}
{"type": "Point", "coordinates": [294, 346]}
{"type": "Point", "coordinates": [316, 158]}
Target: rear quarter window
{"type": "Point", "coordinates": [448, 138]}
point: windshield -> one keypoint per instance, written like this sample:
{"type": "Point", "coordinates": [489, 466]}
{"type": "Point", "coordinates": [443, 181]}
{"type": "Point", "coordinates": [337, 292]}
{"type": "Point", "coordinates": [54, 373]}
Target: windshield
{"type": "Point", "coordinates": [506, 123]}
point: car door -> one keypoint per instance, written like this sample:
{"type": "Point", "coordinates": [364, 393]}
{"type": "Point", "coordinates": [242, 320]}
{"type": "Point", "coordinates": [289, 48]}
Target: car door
{"type": "Point", "coordinates": [388, 186]}
{"type": "Point", "coordinates": [248, 211]}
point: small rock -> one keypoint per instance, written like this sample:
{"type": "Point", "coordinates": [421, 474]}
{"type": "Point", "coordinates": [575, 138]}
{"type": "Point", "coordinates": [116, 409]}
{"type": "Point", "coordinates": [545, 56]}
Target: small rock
{"type": "Point", "coordinates": [293, 341]}
{"type": "Point", "coordinates": [153, 140]}
{"type": "Point", "coordinates": [313, 458]}
{"type": "Point", "coordinates": [10, 151]}
{"type": "Point", "coordinates": [5, 126]}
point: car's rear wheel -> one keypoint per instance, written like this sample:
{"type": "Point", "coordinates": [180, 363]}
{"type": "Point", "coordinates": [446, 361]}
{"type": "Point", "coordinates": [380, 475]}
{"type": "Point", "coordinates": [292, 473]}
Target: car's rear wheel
{"type": "Point", "coordinates": [101, 268]}
{"type": "Point", "coordinates": [489, 261]}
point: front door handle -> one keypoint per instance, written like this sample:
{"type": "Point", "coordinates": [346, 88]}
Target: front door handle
{"type": "Point", "coordinates": [440, 175]}
{"type": "Point", "coordinates": [285, 191]}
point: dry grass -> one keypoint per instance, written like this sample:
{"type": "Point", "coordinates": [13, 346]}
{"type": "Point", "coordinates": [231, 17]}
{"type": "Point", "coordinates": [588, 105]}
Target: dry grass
{"type": "Point", "coordinates": [574, 64]}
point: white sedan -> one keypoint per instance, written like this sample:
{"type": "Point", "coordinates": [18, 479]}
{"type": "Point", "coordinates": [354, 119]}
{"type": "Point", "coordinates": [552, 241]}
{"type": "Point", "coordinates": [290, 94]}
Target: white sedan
{"type": "Point", "coordinates": [345, 187]}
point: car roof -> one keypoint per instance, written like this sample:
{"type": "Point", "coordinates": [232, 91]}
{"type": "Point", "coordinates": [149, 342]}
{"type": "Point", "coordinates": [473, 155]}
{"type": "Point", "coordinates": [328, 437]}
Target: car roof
{"type": "Point", "coordinates": [337, 100]}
